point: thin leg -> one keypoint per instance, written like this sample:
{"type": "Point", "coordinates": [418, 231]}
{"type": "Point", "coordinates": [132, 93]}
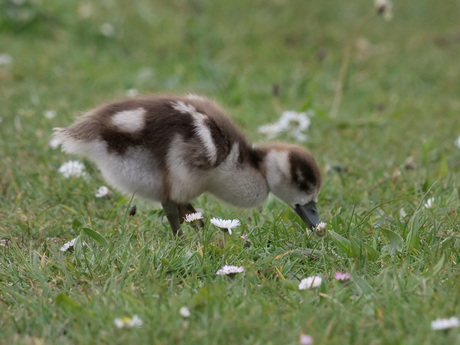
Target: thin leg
{"type": "Point", "coordinates": [172, 213]}
{"type": "Point", "coordinates": [186, 209]}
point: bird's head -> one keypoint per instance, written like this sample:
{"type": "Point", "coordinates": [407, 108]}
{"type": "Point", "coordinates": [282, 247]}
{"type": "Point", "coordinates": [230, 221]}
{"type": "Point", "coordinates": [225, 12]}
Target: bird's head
{"type": "Point", "coordinates": [293, 176]}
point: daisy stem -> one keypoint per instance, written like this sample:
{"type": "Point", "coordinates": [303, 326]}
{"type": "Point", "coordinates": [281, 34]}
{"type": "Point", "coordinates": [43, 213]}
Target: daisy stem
{"type": "Point", "coordinates": [346, 62]}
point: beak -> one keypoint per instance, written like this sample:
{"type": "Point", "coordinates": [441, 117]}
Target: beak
{"type": "Point", "coordinates": [308, 213]}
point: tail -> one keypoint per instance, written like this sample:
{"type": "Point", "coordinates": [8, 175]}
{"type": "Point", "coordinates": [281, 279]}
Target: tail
{"type": "Point", "coordinates": [60, 135]}
{"type": "Point", "coordinates": [69, 143]}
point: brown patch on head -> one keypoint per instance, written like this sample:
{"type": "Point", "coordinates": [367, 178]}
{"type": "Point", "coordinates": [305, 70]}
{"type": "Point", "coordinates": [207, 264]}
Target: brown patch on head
{"type": "Point", "coordinates": [305, 172]}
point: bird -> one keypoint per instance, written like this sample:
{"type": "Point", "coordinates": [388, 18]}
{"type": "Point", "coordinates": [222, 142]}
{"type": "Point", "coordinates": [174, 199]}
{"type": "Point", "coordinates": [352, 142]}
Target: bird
{"type": "Point", "coordinates": [173, 148]}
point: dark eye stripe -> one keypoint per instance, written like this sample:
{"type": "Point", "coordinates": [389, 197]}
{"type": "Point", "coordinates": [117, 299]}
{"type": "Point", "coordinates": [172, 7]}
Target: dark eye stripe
{"type": "Point", "coordinates": [304, 170]}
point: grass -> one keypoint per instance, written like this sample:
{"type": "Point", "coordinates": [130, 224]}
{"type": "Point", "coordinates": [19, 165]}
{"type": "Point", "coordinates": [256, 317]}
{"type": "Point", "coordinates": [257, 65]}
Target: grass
{"type": "Point", "coordinates": [400, 100]}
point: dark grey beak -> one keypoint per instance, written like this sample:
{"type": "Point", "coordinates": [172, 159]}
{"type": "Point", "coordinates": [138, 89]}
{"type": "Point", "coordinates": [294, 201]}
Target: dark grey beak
{"type": "Point", "coordinates": [308, 213]}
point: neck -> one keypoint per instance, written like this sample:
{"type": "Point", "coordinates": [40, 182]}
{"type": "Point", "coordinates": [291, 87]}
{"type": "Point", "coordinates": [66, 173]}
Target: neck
{"type": "Point", "coordinates": [240, 179]}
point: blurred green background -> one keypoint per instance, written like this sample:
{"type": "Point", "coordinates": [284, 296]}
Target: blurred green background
{"type": "Point", "coordinates": [394, 134]}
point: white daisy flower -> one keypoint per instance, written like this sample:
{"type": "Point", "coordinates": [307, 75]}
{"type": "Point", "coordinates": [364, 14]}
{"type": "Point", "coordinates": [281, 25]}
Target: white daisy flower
{"type": "Point", "coordinates": [50, 114]}
{"type": "Point", "coordinates": [305, 339]}
{"type": "Point", "coordinates": [5, 59]}
{"type": "Point", "coordinates": [291, 122]}
{"type": "Point", "coordinates": [102, 191]}
{"type": "Point", "coordinates": [228, 224]}
{"type": "Point", "coordinates": [184, 312]}
{"type": "Point", "coordinates": [385, 8]}
{"type": "Point", "coordinates": [73, 169]}
{"type": "Point", "coordinates": [310, 283]}
{"type": "Point", "coordinates": [402, 213]}
{"type": "Point", "coordinates": [320, 229]}
{"type": "Point", "coordinates": [54, 143]}
{"type": "Point", "coordinates": [68, 245]}
{"type": "Point", "coordinates": [429, 203]}
{"type": "Point", "coordinates": [444, 324]}
{"type": "Point", "coordinates": [107, 30]}
{"type": "Point", "coordinates": [128, 322]}
{"type": "Point", "coordinates": [85, 10]}
{"type": "Point", "coordinates": [342, 277]}
{"type": "Point", "coordinates": [271, 130]}
{"type": "Point", "coordinates": [457, 142]}
{"type": "Point", "coordinates": [191, 217]}
{"type": "Point", "coordinates": [299, 136]}
{"type": "Point", "coordinates": [229, 270]}
{"type": "Point", "coordinates": [132, 93]}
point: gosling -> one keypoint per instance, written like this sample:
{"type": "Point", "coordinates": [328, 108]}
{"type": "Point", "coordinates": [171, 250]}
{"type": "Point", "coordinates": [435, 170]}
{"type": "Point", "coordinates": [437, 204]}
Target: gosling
{"type": "Point", "coordinates": [171, 149]}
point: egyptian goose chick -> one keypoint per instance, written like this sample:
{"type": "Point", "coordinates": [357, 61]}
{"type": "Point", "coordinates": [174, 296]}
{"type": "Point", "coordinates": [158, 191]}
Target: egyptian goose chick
{"type": "Point", "coordinates": [171, 149]}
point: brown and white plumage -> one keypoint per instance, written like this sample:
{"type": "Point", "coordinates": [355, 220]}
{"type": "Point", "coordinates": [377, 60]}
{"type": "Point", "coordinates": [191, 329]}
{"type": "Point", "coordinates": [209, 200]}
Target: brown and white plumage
{"type": "Point", "coordinates": [171, 149]}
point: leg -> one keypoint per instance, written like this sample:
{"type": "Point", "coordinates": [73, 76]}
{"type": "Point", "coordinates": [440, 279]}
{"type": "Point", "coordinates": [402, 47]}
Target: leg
{"type": "Point", "coordinates": [186, 209]}
{"type": "Point", "coordinates": [172, 213]}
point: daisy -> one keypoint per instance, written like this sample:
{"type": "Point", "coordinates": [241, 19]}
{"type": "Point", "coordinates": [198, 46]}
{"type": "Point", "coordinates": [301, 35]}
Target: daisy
{"type": "Point", "coordinates": [68, 245]}
{"type": "Point", "coordinates": [107, 30]}
{"type": "Point", "coordinates": [310, 283]}
{"type": "Point", "coordinates": [85, 10]}
{"type": "Point", "coordinates": [384, 8]}
{"type": "Point", "coordinates": [342, 277]}
{"type": "Point", "coordinates": [128, 322]}
{"type": "Point", "coordinates": [132, 93]}
{"type": "Point", "coordinates": [305, 339]}
{"type": "Point", "coordinates": [444, 324]}
{"type": "Point", "coordinates": [73, 169]}
{"type": "Point", "coordinates": [49, 114]}
{"type": "Point", "coordinates": [191, 217]}
{"type": "Point", "coordinates": [5, 59]}
{"type": "Point", "coordinates": [228, 224]}
{"type": "Point", "coordinates": [299, 136]}
{"type": "Point", "coordinates": [320, 229]}
{"type": "Point", "coordinates": [457, 142]}
{"type": "Point", "coordinates": [54, 143]}
{"type": "Point", "coordinates": [102, 192]}
{"type": "Point", "coordinates": [292, 122]}
{"type": "Point", "coordinates": [229, 270]}
{"type": "Point", "coordinates": [271, 130]}
{"type": "Point", "coordinates": [184, 312]}
{"type": "Point", "coordinates": [429, 203]}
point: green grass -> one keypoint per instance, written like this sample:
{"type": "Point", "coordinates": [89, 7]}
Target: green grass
{"type": "Point", "coordinates": [401, 99]}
